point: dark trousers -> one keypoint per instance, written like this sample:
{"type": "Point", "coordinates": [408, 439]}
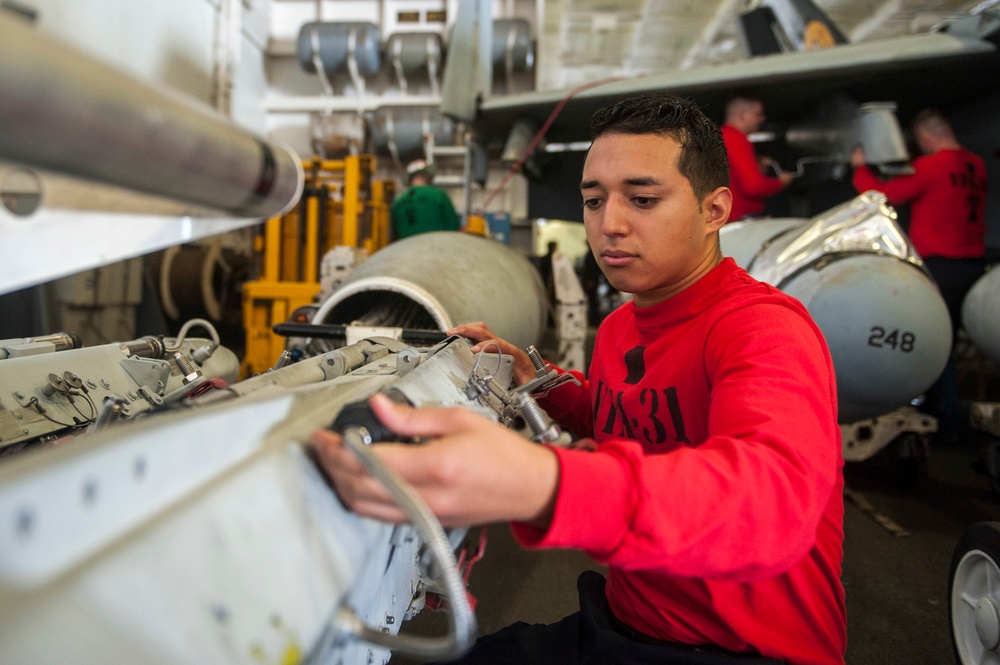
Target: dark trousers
{"type": "Point", "coordinates": [592, 636]}
{"type": "Point", "coordinates": [954, 278]}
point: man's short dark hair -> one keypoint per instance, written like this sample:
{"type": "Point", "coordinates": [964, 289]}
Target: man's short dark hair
{"type": "Point", "coordinates": [703, 154]}
{"type": "Point", "coordinates": [746, 95]}
{"type": "Point", "coordinates": [931, 121]}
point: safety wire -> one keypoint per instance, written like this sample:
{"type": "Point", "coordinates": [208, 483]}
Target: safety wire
{"type": "Point", "coordinates": [479, 356]}
{"type": "Point", "coordinates": [90, 402]}
{"type": "Point", "coordinates": [478, 387]}
{"type": "Point", "coordinates": [33, 403]}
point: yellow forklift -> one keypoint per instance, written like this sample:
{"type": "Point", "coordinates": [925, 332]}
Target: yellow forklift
{"type": "Point", "coordinates": [341, 205]}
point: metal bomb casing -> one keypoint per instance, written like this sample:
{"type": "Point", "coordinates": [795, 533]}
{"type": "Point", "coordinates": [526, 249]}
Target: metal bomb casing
{"type": "Point", "coordinates": [857, 274]}
{"type": "Point", "coordinates": [981, 313]}
{"type": "Point", "coordinates": [438, 280]}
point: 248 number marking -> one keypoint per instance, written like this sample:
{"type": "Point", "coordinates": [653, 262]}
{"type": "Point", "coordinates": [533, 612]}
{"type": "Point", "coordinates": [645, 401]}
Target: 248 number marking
{"type": "Point", "coordinates": [894, 339]}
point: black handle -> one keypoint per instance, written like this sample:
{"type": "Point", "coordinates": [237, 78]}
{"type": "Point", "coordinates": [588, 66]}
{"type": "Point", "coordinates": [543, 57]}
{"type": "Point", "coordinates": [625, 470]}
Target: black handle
{"type": "Point", "coordinates": [360, 414]}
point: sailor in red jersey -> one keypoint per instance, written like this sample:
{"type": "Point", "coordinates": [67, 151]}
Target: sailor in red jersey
{"type": "Point", "coordinates": [749, 185]}
{"type": "Point", "coordinates": [709, 475]}
{"type": "Point", "coordinates": [947, 196]}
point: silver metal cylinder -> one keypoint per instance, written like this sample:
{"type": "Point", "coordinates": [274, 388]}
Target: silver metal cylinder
{"type": "Point", "coordinates": [981, 313]}
{"type": "Point", "coordinates": [62, 341]}
{"type": "Point", "coordinates": [401, 130]}
{"type": "Point", "coordinates": [745, 240]}
{"type": "Point", "coordinates": [880, 134]}
{"type": "Point", "coordinates": [144, 347]}
{"type": "Point", "coordinates": [65, 111]}
{"type": "Point", "coordinates": [336, 44]}
{"type": "Point", "coordinates": [438, 280]}
{"type": "Point", "coordinates": [512, 45]}
{"type": "Point", "coordinates": [883, 318]}
{"type": "Point", "coordinates": [520, 137]}
{"type": "Point", "coordinates": [886, 325]}
{"type": "Point", "coordinates": [413, 52]}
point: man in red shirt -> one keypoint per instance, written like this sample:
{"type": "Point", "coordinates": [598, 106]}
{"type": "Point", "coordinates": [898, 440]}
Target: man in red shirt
{"type": "Point", "coordinates": [749, 185]}
{"type": "Point", "coordinates": [947, 197]}
{"type": "Point", "coordinates": [708, 473]}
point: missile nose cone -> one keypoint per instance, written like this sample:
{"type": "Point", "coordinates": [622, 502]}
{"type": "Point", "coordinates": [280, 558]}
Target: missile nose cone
{"type": "Point", "coordinates": [434, 281]}
{"type": "Point", "coordinates": [981, 314]}
{"type": "Point", "coordinates": [886, 325]}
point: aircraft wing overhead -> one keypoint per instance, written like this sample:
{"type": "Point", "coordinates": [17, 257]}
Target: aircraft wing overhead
{"type": "Point", "coordinates": [913, 71]}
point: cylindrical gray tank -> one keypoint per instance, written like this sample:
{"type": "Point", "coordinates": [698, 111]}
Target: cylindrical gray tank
{"type": "Point", "coordinates": [981, 314]}
{"type": "Point", "coordinates": [405, 127]}
{"type": "Point", "coordinates": [336, 43]}
{"type": "Point", "coordinates": [435, 281]}
{"type": "Point", "coordinates": [882, 317]}
{"type": "Point", "coordinates": [880, 134]}
{"type": "Point", "coordinates": [415, 52]}
{"type": "Point", "coordinates": [743, 240]}
{"type": "Point", "coordinates": [886, 325]}
{"type": "Point", "coordinates": [512, 39]}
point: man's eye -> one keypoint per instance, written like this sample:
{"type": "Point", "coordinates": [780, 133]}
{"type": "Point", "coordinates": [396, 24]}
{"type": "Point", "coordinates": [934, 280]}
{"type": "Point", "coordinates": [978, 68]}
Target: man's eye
{"type": "Point", "coordinates": [591, 203]}
{"type": "Point", "coordinates": [643, 200]}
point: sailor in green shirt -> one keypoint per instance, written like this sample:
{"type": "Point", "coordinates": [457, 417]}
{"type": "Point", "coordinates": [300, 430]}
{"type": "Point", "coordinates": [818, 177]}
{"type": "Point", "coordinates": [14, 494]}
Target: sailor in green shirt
{"type": "Point", "coordinates": [422, 207]}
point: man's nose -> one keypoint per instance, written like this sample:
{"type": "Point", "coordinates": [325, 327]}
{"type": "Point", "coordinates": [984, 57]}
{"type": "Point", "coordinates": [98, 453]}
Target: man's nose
{"type": "Point", "coordinates": [615, 219]}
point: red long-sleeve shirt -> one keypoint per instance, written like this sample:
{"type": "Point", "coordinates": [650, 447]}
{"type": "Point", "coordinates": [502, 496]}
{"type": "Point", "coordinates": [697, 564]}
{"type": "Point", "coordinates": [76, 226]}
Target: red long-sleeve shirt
{"type": "Point", "coordinates": [715, 492]}
{"type": "Point", "coordinates": [750, 187]}
{"type": "Point", "coordinates": [947, 193]}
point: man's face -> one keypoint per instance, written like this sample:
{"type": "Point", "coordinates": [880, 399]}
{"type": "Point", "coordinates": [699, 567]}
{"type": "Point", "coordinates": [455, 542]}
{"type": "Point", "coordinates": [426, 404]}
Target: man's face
{"type": "Point", "coordinates": [924, 142]}
{"type": "Point", "coordinates": [643, 221]}
{"type": "Point", "coordinates": [753, 117]}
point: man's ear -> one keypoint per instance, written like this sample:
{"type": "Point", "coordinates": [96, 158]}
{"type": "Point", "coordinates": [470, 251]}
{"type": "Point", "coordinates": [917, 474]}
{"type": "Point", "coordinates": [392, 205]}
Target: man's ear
{"type": "Point", "coordinates": [716, 207]}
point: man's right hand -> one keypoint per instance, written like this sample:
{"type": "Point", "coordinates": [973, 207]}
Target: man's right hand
{"type": "Point", "coordinates": [484, 338]}
{"type": "Point", "coordinates": [468, 469]}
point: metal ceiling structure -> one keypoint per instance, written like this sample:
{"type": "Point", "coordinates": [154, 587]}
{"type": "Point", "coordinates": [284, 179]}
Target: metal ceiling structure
{"type": "Point", "coordinates": [587, 40]}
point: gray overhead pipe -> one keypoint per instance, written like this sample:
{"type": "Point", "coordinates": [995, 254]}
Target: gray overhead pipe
{"type": "Point", "coordinates": [64, 111]}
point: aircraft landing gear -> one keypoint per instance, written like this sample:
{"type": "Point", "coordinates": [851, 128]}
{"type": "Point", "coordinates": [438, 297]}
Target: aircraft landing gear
{"type": "Point", "coordinates": [985, 417]}
{"type": "Point", "coordinates": [974, 586]}
{"type": "Point", "coordinates": [912, 457]}
{"type": "Point", "coordinates": [906, 430]}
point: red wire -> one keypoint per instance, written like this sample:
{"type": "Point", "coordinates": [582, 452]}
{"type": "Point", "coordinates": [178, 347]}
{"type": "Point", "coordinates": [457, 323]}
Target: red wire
{"type": "Point", "coordinates": [541, 133]}
{"type": "Point", "coordinates": [476, 556]}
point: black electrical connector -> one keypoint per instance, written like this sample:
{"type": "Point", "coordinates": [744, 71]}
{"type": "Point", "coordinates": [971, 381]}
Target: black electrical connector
{"type": "Point", "coordinates": [360, 415]}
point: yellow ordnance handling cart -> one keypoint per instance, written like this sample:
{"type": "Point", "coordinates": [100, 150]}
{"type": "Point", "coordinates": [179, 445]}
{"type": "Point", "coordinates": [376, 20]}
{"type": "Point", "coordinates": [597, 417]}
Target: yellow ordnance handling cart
{"type": "Point", "coordinates": [341, 204]}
